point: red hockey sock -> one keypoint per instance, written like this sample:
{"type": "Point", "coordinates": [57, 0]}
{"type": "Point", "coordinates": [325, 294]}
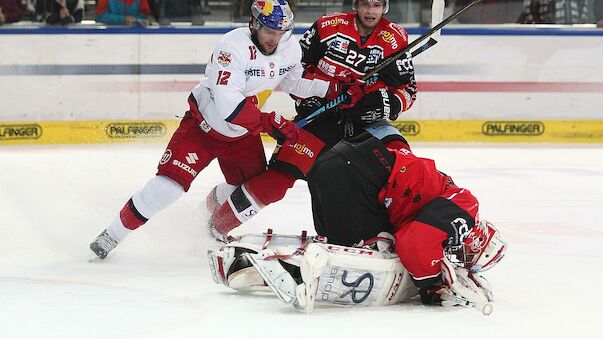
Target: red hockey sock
{"type": "Point", "coordinates": [247, 200]}
{"type": "Point", "coordinates": [130, 217]}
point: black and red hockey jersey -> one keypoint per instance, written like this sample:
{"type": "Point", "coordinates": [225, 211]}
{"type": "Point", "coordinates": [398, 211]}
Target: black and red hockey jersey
{"type": "Point", "coordinates": [332, 48]}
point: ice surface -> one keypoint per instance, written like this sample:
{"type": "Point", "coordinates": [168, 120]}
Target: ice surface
{"type": "Point", "coordinates": [54, 200]}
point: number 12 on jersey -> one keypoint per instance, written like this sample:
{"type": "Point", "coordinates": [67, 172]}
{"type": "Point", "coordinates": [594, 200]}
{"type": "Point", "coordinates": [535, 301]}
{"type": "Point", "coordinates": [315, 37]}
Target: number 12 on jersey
{"type": "Point", "coordinates": [223, 77]}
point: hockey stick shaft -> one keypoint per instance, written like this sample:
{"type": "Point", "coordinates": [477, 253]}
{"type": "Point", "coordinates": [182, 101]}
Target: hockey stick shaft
{"type": "Point", "coordinates": [342, 97]}
{"type": "Point", "coordinates": [437, 16]}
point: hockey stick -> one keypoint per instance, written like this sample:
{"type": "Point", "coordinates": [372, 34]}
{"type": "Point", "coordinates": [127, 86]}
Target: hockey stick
{"type": "Point", "coordinates": [485, 308]}
{"type": "Point", "coordinates": [367, 77]}
{"type": "Point", "coordinates": [437, 16]}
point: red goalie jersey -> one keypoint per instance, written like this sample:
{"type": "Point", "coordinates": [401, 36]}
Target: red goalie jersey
{"type": "Point", "coordinates": [333, 48]}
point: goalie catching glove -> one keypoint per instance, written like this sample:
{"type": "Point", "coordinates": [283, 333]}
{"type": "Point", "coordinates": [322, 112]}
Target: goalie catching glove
{"type": "Point", "coordinates": [459, 288]}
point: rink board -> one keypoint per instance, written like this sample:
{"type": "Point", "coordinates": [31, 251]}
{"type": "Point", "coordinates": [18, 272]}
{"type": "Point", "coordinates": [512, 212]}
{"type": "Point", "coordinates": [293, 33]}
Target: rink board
{"type": "Point", "coordinates": [159, 131]}
{"type": "Point", "coordinates": [506, 84]}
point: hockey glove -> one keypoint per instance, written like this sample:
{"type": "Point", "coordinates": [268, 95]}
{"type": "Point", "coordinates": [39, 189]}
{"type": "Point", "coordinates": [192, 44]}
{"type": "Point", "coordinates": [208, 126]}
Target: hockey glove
{"type": "Point", "coordinates": [355, 92]}
{"type": "Point", "coordinates": [305, 107]}
{"type": "Point", "coordinates": [373, 107]}
{"type": "Point", "coordinates": [335, 88]}
{"type": "Point", "coordinates": [461, 288]}
{"type": "Point", "coordinates": [398, 73]}
{"type": "Point", "coordinates": [278, 127]}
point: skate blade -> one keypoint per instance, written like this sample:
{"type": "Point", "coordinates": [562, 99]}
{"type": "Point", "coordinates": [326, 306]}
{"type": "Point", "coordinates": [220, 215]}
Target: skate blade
{"type": "Point", "coordinates": [93, 258]}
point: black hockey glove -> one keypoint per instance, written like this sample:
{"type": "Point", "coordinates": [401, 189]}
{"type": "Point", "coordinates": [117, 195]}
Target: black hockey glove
{"type": "Point", "coordinates": [305, 107]}
{"type": "Point", "coordinates": [429, 296]}
{"type": "Point", "coordinates": [374, 106]}
{"type": "Point", "coordinates": [398, 73]}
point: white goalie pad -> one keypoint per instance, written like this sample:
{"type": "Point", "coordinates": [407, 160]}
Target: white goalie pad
{"type": "Point", "coordinates": [228, 265]}
{"type": "Point", "coordinates": [339, 275]}
{"type": "Point", "coordinates": [359, 277]}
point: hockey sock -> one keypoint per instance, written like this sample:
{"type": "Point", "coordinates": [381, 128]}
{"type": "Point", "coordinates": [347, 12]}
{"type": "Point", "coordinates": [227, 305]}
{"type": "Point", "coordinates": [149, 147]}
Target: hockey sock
{"type": "Point", "coordinates": [248, 199]}
{"type": "Point", "coordinates": [156, 195]}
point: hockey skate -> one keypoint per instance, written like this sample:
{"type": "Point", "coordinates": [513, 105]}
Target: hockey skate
{"type": "Point", "coordinates": [102, 245]}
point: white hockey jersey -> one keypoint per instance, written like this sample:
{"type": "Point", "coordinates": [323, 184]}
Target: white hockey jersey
{"type": "Point", "coordinates": [239, 79]}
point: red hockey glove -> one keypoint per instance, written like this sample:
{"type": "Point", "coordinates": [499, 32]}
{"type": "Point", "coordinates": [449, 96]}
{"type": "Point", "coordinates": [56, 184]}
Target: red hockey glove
{"type": "Point", "coordinates": [278, 127]}
{"type": "Point", "coordinates": [355, 92]}
{"type": "Point", "coordinates": [335, 88]}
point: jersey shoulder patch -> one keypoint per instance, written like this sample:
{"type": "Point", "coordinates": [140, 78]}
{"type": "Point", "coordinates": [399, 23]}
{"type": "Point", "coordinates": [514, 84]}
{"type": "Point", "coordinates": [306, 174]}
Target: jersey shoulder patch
{"type": "Point", "coordinates": [391, 37]}
{"type": "Point", "coordinates": [331, 24]}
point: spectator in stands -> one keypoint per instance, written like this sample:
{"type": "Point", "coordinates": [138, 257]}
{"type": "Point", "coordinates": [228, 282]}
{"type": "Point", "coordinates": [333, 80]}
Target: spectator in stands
{"type": "Point", "coordinates": [599, 13]}
{"type": "Point", "coordinates": [241, 8]}
{"type": "Point", "coordinates": [10, 11]}
{"type": "Point", "coordinates": [489, 11]}
{"type": "Point", "coordinates": [64, 12]}
{"type": "Point", "coordinates": [123, 12]}
{"type": "Point", "coordinates": [554, 12]}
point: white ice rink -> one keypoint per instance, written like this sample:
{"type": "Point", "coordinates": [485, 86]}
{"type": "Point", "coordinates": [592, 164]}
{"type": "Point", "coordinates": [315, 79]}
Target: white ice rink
{"type": "Point", "coordinates": [546, 200]}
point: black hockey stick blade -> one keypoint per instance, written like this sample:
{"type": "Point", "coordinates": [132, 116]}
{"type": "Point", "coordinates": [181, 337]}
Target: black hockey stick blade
{"type": "Point", "coordinates": [431, 42]}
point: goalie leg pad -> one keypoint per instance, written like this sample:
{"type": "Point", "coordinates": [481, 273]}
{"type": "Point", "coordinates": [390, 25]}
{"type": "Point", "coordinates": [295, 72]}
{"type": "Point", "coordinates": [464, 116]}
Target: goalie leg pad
{"type": "Point", "coordinates": [362, 277]}
{"type": "Point", "coordinates": [229, 267]}
{"type": "Point", "coordinates": [279, 280]}
{"type": "Point", "coordinates": [341, 275]}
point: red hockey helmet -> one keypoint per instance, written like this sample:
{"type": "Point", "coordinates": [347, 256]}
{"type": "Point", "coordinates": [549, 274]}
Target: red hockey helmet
{"type": "Point", "coordinates": [481, 250]}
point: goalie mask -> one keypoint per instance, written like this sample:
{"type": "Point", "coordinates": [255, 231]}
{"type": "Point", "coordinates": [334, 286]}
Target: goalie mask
{"type": "Point", "coordinates": [385, 5]}
{"type": "Point", "coordinates": [481, 250]}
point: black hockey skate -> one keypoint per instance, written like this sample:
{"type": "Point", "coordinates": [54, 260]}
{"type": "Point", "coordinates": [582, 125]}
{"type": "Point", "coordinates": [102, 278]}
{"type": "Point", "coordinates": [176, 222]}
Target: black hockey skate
{"type": "Point", "coordinates": [102, 245]}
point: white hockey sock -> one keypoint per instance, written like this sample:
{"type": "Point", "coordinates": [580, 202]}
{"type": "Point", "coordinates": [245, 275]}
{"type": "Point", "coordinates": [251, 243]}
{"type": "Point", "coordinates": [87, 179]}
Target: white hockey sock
{"type": "Point", "coordinates": [156, 195]}
{"type": "Point", "coordinates": [117, 230]}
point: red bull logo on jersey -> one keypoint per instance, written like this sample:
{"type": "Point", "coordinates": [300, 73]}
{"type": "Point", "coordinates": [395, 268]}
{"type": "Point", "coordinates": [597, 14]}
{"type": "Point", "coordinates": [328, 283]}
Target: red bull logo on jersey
{"type": "Point", "coordinates": [389, 38]}
{"type": "Point", "coordinates": [224, 58]}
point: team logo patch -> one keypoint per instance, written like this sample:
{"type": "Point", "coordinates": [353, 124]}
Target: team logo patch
{"type": "Point", "coordinates": [192, 158]}
{"type": "Point", "coordinates": [224, 58]}
{"type": "Point", "coordinates": [205, 127]}
{"type": "Point", "coordinates": [389, 38]}
{"type": "Point", "coordinates": [302, 150]}
{"type": "Point", "coordinates": [167, 155]}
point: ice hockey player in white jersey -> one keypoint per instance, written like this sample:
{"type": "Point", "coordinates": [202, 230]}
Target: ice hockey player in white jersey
{"type": "Point", "coordinates": [225, 117]}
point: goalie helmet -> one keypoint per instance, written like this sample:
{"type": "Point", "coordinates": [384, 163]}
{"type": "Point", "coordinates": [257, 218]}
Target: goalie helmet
{"type": "Point", "coordinates": [274, 14]}
{"type": "Point", "coordinates": [385, 5]}
{"type": "Point", "coordinates": [481, 250]}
